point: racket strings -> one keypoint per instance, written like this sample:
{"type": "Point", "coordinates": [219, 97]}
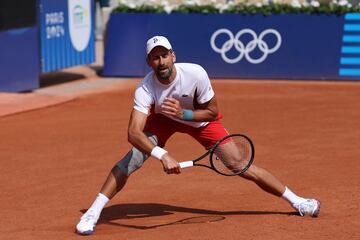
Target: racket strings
{"type": "Point", "coordinates": [232, 156]}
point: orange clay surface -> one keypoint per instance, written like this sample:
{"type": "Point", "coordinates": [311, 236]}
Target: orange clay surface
{"type": "Point", "coordinates": [54, 160]}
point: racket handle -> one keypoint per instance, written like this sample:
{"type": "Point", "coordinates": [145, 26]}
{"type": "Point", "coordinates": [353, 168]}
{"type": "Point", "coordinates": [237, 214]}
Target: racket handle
{"type": "Point", "coordinates": [186, 164]}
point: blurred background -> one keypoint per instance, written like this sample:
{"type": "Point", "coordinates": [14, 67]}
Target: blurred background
{"type": "Point", "coordinates": [41, 37]}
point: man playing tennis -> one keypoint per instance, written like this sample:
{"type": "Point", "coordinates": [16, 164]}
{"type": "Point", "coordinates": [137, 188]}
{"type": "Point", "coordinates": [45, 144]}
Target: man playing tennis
{"type": "Point", "coordinates": [176, 97]}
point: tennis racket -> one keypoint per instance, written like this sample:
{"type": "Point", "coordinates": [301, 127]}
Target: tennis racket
{"type": "Point", "coordinates": [230, 156]}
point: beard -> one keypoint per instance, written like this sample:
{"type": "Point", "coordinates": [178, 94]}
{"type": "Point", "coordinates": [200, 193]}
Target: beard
{"type": "Point", "coordinates": [164, 73]}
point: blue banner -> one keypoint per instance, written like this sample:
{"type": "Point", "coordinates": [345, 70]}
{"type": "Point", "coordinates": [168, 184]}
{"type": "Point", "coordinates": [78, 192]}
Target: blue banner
{"type": "Point", "coordinates": [66, 33]}
{"type": "Point", "coordinates": [284, 46]}
{"type": "Point", "coordinates": [19, 59]}
{"type": "Point", "coordinates": [350, 50]}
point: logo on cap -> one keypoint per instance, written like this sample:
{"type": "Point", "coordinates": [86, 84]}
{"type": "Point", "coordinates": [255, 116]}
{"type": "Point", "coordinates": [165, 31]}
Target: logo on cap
{"type": "Point", "coordinates": [157, 41]}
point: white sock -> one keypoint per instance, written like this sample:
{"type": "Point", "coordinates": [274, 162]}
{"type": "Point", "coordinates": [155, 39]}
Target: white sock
{"type": "Point", "coordinates": [99, 203]}
{"type": "Point", "coordinates": [291, 197]}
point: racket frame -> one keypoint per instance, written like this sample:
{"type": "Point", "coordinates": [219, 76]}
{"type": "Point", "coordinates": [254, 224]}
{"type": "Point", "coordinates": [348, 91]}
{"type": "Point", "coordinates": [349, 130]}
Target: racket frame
{"type": "Point", "coordinates": [211, 152]}
{"type": "Point", "coordinates": [251, 160]}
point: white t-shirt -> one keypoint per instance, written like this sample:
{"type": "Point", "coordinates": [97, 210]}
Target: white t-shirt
{"type": "Point", "coordinates": [190, 79]}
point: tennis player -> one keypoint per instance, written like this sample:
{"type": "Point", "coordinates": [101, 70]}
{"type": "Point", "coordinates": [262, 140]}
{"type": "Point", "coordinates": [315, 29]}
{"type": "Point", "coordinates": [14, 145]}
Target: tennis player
{"type": "Point", "coordinates": [176, 97]}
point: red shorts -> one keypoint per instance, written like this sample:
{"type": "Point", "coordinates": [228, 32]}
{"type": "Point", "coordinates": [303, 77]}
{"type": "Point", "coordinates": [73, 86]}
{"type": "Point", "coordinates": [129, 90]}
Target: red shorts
{"type": "Point", "coordinates": [163, 127]}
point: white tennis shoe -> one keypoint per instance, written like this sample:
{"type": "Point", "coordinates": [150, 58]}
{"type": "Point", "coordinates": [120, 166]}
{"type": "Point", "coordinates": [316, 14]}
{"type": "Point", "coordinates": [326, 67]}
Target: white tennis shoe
{"type": "Point", "coordinates": [87, 223]}
{"type": "Point", "coordinates": [310, 207]}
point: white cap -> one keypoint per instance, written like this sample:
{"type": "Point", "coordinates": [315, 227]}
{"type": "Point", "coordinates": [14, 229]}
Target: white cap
{"type": "Point", "coordinates": [157, 41]}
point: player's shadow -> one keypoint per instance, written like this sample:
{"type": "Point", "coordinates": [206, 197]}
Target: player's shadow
{"type": "Point", "coordinates": [145, 210]}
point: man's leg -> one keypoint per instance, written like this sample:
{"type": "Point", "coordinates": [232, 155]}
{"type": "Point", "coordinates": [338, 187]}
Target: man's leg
{"type": "Point", "coordinates": [265, 180]}
{"type": "Point", "coordinates": [231, 156]}
{"type": "Point", "coordinates": [269, 183]}
{"type": "Point", "coordinates": [115, 181]}
{"type": "Point", "coordinates": [215, 131]}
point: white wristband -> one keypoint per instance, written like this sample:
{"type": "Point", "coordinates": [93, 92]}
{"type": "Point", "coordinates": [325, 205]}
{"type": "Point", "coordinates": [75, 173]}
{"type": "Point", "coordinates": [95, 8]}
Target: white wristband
{"type": "Point", "coordinates": [158, 152]}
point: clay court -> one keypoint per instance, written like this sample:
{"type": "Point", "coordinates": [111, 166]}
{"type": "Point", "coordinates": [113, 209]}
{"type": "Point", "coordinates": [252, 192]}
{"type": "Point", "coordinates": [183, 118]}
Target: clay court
{"type": "Point", "coordinates": [55, 159]}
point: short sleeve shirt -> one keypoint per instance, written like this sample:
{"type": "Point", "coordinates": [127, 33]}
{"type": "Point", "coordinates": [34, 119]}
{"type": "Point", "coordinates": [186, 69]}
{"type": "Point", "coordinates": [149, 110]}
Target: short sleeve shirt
{"type": "Point", "coordinates": [191, 82]}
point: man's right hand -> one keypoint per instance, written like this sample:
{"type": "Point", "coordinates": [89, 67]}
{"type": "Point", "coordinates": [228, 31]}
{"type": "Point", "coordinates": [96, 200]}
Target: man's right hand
{"type": "Point", "coordinates": [171, 166]}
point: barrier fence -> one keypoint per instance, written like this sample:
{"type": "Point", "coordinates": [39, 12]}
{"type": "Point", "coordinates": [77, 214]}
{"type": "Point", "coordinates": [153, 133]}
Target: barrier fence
{"type": "Point", "coordinates": [283, 46]}
{"type": "Point", "coordinates": [61, 36]}
{"type": "Point", "coordinates": [280, 46]}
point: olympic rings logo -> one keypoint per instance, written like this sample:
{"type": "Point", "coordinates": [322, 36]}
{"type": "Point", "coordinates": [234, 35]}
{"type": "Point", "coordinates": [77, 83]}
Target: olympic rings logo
{"type": "Point", "coordinates": [245, 50]}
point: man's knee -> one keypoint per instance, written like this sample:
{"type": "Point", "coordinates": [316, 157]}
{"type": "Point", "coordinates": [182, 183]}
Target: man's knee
{"type": "Point", "coordinates": [134, 159]}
